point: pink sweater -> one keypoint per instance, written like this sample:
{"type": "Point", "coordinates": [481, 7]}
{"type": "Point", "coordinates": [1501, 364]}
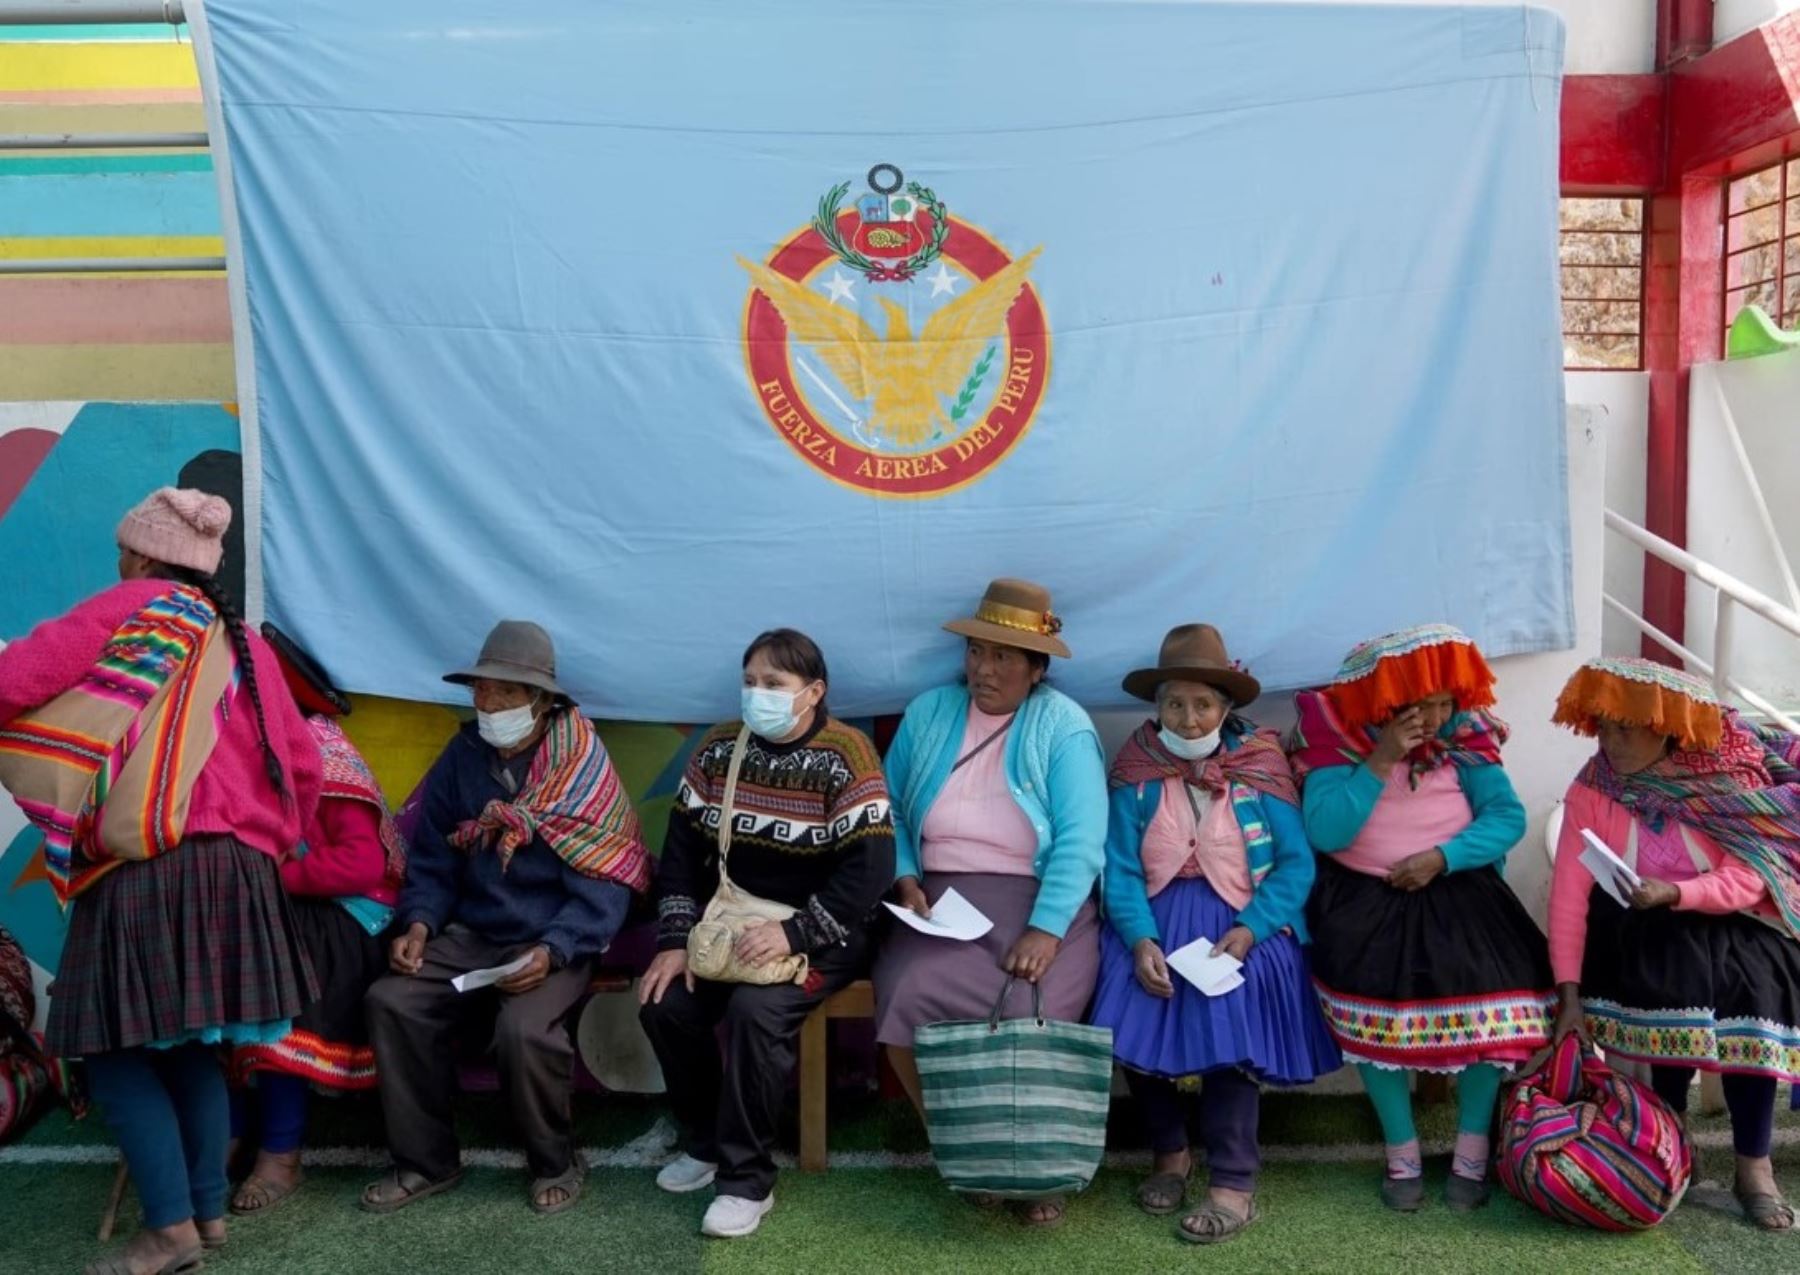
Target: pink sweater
{"type": "Point", "coordinates": [233, 796]}
{"type": "Point", "coordinates": [974, 825]}
{"type": "Point", "coordinates": [1725, 884]}
{"type": "Point", "coordinates": [344, 855]}
{"type": "Point", "coordinates": [1407, 820]}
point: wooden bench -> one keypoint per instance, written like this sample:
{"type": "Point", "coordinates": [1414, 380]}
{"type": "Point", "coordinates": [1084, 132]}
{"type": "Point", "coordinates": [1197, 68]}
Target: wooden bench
{"type": "Point", "coordinates": [855, 1001]}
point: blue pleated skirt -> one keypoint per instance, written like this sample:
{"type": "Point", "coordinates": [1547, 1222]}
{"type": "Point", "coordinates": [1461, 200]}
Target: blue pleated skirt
{"type": "Point", "coordinates": [1270, 1027]}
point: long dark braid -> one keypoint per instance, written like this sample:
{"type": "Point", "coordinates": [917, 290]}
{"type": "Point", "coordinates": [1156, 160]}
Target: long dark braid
{"type": "Point", "coordinates": [240, 642]}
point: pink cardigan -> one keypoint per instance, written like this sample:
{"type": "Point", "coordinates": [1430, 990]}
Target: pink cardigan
{"type": "Point", "coordinates": [344, 855]}
{"type": "Point", "coordinates": [233, 796]}
{"type": "Point", "coordinates": [1727, 885]}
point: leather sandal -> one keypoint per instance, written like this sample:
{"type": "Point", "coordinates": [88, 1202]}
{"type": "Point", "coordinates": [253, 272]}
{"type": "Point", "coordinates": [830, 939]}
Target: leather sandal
{"type": "Point", "coordinates": [258, 1195]}
{"type": "Point", "coordinates": [569, 1182]}
{"type": "Point", "coordinates": [1213, 1223]}
{"type": "Point", "coordinates": [1054, 1209]}
{"type": "Point", "coordinates": [1161, 1194]}
{"type": "Point", "coordinates": [1763, 1208]}
{"type": "Point", "coordinates": [394, 1191]}
{"type": "Point", "coordinates": [188, 1259]}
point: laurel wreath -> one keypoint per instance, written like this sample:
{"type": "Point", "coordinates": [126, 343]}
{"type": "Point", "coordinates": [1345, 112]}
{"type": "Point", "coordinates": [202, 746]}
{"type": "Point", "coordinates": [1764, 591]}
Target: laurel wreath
{"type": "Point", "coordinates": [967, 397]}
{"type": "Point", "coordinates": [825, 222]}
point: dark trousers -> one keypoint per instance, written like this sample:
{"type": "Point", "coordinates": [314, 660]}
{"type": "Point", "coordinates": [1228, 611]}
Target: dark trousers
{"type": "Point", "coordinates": [1750, 1099]}
{"type": "Point", "coordinates": [1230, 1106]}
{"type": "Point", "coordinates": [273, 1114]}
{"type": "Point", "coordinates": [730, 1110]}
{"type": "Point", "coordinates": [170, 1113]}
{"type": "Point", "coordinates": [412, 1019]}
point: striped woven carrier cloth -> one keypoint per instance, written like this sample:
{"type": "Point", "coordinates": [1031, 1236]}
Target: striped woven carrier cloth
{"type": "Point", "coordinates": [106, 769]}
{"type": "Point", "coordinates": [1589, 1147]}
{"type": "Point", "coordinates": [1016, 1108]}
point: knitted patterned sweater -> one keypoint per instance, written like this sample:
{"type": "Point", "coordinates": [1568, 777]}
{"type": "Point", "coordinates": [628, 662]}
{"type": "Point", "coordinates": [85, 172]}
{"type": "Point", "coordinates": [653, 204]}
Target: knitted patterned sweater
{"type": "Point", "coordinates": [811, 830]}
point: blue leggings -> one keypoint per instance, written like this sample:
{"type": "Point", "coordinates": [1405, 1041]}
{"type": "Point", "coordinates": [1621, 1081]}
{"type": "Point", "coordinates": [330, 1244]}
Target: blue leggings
{"type": "Point", "coordinates": [171, 1115]}
{"type": "Point", "coordinates": [279, 1101]}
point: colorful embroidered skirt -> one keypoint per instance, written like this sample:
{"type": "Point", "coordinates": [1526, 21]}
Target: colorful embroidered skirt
{"type": "Point", "coordinates": [1685, 989]}
{"type": "Point", "coordinates": [1436, 979]}
{"type": "Point", "coordinates": [196, 944]}
{"type": "Point", "coordinates": [329, 1043]}
{"type": "Point", "coordinates": [1270, 1027]}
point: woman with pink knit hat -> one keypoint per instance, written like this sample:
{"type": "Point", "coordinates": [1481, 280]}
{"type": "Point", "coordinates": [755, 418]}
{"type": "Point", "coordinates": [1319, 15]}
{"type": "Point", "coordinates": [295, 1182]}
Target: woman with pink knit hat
{"type": "Point", "coordinates": [193, 778]}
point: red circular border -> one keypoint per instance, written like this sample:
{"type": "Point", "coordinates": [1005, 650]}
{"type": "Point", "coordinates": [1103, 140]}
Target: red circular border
{"type": "Point", "coordinates": [914, 475]}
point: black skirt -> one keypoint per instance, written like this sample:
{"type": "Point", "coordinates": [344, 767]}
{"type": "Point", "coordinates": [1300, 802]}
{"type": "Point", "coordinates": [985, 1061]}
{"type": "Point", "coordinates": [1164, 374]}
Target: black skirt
{"type": "Point", "coordinates": [195, 944]}
{"type": "Point", "coordinates": [329, 1043]}
{"type": "Point", "coordinates": [1436, 979]}
{"type": "Point", "coordinates": [1689, 989]}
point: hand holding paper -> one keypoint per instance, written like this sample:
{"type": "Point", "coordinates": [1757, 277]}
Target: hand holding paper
{"type": "Point", "coordinates": [952, 917]}
{"type": "Point", "coordinates": [1609, 871]}
{"type": "Point", "coordinates": [1213, 975]}
{"type": "Point", "coordinates": [476, 979]}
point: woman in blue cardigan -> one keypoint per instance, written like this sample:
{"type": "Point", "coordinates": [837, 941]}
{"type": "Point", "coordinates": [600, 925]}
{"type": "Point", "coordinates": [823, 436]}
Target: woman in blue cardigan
{"type": "Point", "coordinates": [1205, 844]}
{"type": "Point", "coordinates": [999, 791]}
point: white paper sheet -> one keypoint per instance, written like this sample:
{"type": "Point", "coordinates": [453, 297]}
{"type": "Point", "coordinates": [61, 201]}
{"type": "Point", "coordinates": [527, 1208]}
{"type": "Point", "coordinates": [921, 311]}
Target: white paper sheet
{"type": "Point", "coordinates": [1613, 873]}
{"type": "Point", "coordinates": [952, 917]}
{"type": "Point", "coordinates": [487, 978]}
{"type": "Point", "coordinates": [1213, 975]}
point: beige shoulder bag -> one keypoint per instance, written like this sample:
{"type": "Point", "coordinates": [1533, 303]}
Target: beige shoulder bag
{"type": "Point", "coordinates": [712, 943]}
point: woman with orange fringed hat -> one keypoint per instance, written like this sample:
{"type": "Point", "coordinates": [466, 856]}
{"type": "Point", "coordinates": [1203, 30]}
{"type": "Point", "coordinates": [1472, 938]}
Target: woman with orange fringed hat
{"type": "Point", "coordinates": [1423, 958]}
{"type": "Point", "coordinates": [1702, 972]}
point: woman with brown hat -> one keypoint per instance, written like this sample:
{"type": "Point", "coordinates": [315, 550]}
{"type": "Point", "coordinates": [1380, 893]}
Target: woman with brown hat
{"type": "Point", "coordinates": [999, 790]}
{"type": "Point", "coordinates": [1206, 843]}
{"type": "Point", "coordinates": [183, 940]}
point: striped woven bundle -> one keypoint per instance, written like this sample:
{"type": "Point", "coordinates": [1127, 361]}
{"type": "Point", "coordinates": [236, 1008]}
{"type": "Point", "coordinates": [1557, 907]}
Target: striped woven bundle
{"type": "Point", "coordinates": [1015, 1108]}
{"type": "Point", "coordinates": [1589, 1147]}
{"type": "Point", "coordinates": [106, 769]}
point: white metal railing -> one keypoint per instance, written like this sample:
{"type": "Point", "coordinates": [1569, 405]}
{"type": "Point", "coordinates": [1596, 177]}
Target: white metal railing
{"type": "Point", "coordinates": [1729, 593]}
{"type": "Point", "coordinates": [99, 13]}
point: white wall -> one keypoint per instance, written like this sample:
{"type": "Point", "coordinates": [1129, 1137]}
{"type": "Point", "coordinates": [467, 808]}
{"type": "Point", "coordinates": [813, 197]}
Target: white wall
{"type": "Point", "coordinates": [1762, 397]}
{"type": "Point", "coordinates": [1731, 18]}
{"type": "Point", "coordinates": [1605, 37]}
{"type": "Point", "coordinates": [1619, 407]}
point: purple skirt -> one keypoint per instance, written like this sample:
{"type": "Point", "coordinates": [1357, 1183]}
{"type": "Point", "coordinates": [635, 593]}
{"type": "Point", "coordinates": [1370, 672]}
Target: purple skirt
{"type": "Point", "coordinates": [920, 979]}
{"type": "Point", "coordinates": [1270, 1027]}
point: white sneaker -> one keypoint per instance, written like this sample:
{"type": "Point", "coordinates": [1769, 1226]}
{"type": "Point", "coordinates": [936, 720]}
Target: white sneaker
{"type": "Point", "coordinates": [684, 1174]}
{"type": "Point", "coordinates": [730, 1217]}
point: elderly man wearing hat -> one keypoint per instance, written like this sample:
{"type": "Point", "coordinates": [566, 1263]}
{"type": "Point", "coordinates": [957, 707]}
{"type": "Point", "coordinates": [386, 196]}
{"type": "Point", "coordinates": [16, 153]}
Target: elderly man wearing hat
{"type": "Point", "coordinates": [525, 855]}
{"type": "Point", "coordinates": [1206, 842]}
{"type": "Point", "coordinates": [999, 790]}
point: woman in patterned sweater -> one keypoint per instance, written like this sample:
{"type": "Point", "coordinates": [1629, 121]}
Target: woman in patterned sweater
{"type": "Point", "coordinates": [811, 830]}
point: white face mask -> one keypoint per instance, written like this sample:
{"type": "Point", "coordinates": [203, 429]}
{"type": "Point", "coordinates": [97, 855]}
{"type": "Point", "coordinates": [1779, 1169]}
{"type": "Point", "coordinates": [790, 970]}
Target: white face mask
{"type": "Point", "coordinates": [770, 713]}
{"type": "Point", "coordinates": [507, 728]}
{"type": "Point", "coordinates": [1191, 749]}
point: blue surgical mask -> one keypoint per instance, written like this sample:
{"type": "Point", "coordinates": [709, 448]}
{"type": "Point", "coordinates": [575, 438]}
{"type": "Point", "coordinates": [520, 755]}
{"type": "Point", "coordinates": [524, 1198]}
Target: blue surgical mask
{"type": "Point", "coordinates": [770, 713]}
{"type": "Point", "coordinates": [1191, 749]}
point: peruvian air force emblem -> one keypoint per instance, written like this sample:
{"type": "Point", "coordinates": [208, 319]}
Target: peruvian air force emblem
{"type": "Point", "coordinates": [896, 348]}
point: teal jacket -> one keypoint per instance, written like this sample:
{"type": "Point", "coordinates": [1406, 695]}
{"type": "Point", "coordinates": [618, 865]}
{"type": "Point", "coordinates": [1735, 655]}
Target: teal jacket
{"type": "Point", "coordinates": [1057, 774]}
{"type": "Point", "coordinates": [1338, 800]}
{"type": "Point", "coordinates": [1281, 861]}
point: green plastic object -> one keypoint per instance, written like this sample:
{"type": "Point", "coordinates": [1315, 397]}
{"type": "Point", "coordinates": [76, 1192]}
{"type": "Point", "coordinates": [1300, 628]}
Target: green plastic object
{"type": "Point", "coordinates": [1754, 333]}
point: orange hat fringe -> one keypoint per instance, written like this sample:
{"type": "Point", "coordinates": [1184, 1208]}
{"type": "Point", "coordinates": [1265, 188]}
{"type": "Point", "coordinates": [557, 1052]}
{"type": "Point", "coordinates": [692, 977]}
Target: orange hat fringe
{"type": "Point", "coordinates": [1593, 693]}
{"type": "Point", "coordinates": [1399, 680]}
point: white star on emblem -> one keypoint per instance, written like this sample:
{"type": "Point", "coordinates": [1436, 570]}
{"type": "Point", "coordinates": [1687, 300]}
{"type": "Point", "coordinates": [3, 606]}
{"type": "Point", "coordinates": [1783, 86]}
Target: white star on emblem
{"type": "Point", "coordinates": [839, 287]}
{"type": "Point", "coordinates": [943, 281]}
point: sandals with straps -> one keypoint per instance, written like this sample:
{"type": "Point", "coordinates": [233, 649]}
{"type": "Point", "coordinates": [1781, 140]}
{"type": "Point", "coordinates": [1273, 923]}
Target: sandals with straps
{"type": "Point", "coordinates": [1213, 1223]}
{"type": "Point", "coordinates": [569, 1182]}
{"type": "Point", "coordinates": [188, 1259]}
{"type": "Point", "coordinates": [1763, 1208]}
{"type": "Point", "coordinates": [1161, 1194]}
{"type": "Point", "coordinates": [395, 1190]}
{"type": "Point", "coordinates": [1043, 1215]}
{"type": "Point", "coordinates": [256, 1194]}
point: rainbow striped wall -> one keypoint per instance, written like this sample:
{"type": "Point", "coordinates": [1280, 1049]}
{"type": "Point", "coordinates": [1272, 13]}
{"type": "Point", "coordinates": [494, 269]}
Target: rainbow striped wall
{"type": "Point", "coordinates": [154, 337]}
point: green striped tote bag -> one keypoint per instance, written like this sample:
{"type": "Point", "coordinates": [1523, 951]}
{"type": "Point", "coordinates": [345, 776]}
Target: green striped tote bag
{"type": "Point", "coordinates": [1016, 1108]}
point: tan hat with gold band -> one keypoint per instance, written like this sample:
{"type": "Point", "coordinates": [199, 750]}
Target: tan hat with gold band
{"type": "Point", "coordinates": [1015, 613]}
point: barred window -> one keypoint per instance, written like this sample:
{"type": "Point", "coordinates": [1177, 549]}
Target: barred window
{"type": "Point", "coordinates": [1603, 283]}
{"type": "Point", "coordinates": [1762, 243]}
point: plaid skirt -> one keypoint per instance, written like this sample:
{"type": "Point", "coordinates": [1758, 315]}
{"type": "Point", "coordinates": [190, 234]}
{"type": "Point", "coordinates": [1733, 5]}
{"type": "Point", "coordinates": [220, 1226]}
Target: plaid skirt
{"type": "Point", "coordinates": [196, 941]}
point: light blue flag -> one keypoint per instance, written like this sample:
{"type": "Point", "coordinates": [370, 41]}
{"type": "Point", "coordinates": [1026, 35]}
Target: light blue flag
{"type": "Point", "coordinates": [663, 323]}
